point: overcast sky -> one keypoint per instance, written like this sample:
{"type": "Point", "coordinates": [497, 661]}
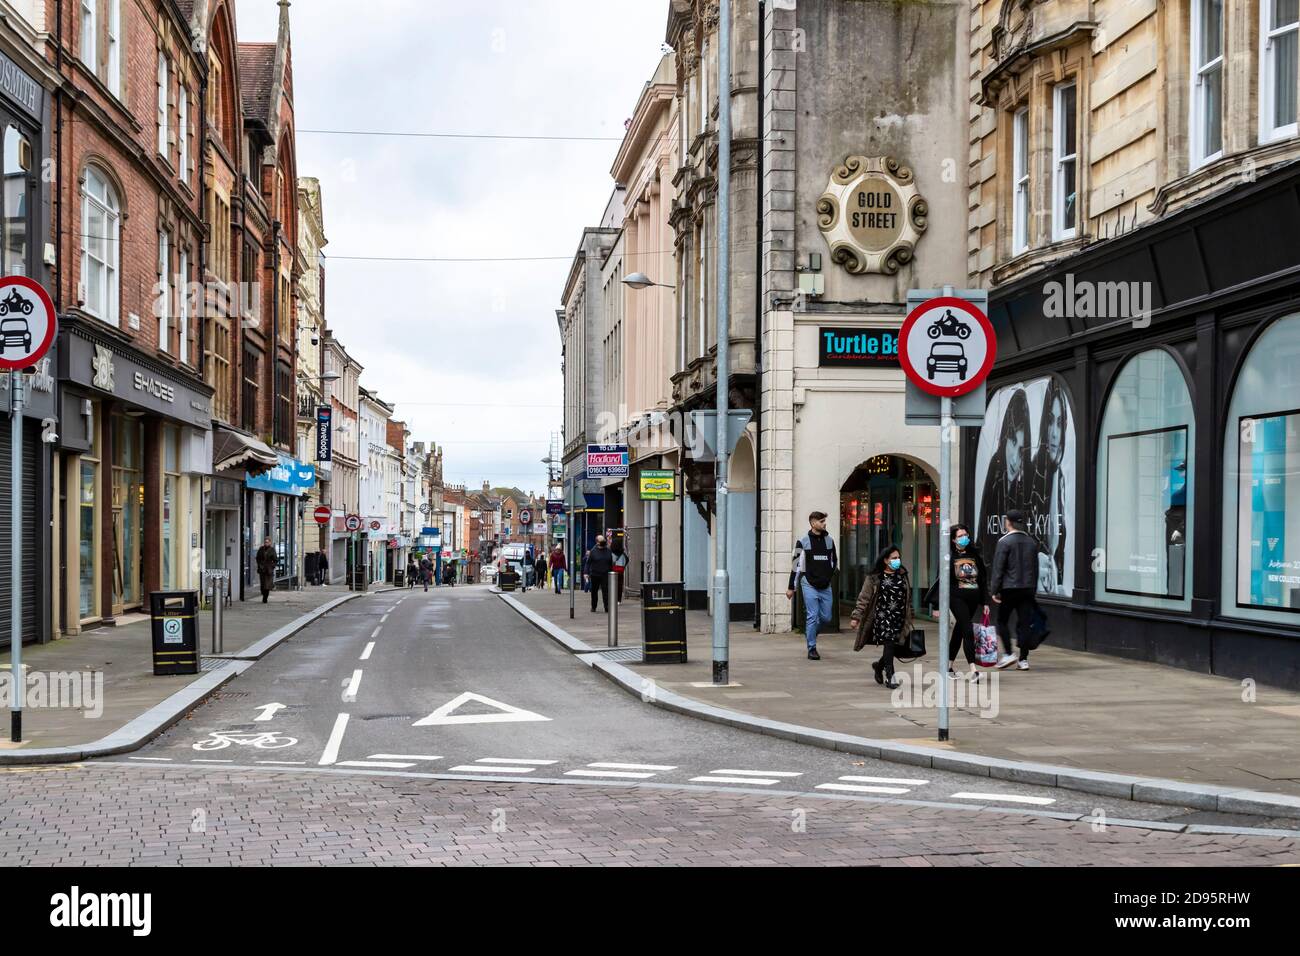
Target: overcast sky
{"type": "Point", "coordinates": [432, 333]}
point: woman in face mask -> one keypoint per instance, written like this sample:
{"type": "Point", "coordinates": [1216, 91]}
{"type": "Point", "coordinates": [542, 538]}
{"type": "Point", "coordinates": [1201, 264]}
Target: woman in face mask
{"type": "Point", "coordinates": [968, 584]}
{"type": "Point", "coordinates": [883, 613]}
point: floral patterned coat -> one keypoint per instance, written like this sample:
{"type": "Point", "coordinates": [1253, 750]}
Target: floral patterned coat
{"type": "Point", "coordinates": [864, 612]}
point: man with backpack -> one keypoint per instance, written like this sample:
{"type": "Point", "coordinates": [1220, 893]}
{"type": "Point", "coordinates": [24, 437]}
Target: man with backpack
{"type": "Point", "coordinates": [815, 563]}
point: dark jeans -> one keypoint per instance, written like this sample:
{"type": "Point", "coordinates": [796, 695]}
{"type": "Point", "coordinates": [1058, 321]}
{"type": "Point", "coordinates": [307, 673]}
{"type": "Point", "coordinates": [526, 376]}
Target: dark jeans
{"type": "Point", "coordinates": [964, 609]}
{"type": "Point", "coordinates": [600, 587]}
{"type": "Point", "coordinates": [887, 659]}
{"type": "Point", "coordinates": [1020, 600]}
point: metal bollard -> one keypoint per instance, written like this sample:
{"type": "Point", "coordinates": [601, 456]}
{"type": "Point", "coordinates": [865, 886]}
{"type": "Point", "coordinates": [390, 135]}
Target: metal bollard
{"type": "Point", "coordinates": [611, 592]}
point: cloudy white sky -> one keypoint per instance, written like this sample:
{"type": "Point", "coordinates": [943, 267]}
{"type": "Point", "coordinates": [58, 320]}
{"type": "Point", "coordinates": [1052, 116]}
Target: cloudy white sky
{"type": "Point", "coordinates": [439, 338]}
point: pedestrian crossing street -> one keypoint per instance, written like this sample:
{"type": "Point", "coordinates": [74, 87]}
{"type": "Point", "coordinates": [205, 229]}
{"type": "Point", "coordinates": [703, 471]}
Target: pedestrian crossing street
{"type": "Point", "coordinates": [614, 771]}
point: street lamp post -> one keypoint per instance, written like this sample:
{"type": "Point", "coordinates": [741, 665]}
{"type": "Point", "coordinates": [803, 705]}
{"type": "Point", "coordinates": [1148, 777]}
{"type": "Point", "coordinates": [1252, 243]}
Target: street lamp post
{"type": "Point", "coordinates": [721, 582]}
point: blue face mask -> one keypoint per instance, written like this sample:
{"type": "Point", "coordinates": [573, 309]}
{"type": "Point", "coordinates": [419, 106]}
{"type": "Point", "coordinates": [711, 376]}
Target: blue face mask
{"type": "Point", "coordinates": [963, 540]}
{"type": "Point", "coordinates": [895, 563]}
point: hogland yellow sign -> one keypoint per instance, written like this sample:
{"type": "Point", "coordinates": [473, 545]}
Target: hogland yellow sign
{"type": "Point", "coordinates": [658, 486]}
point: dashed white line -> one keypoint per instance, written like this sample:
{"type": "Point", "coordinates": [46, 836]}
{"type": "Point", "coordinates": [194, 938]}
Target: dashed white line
{"type": "Point", "coordinates": [483, 768]}
{"type": "Point", "coordinates": [375, 632]}
{"type": "Point", "coordinates": [351, 692]}
{"type": "Point", "coordinates": [621, 774]}
{"type": "Point", "coordinates": [392, 764]}
{"type": "Point", "coordinates": [632, 766]}
{"type": "Point", "coordinates": [365, 655]}
{"type": "Point", "coordinates": [760, 781]}
{"type": "Point", "coordinates": [149, 758]}
{"type": "Point", "coordinates": [860, 788]}
{"type": "Point", "coordinates": [385, 617]}
{"type": "Point", "coordinates": [209, 760]}
{"type": "Point", "coordinates": [1003, 798]}
{"type": "Point", "coordinates": [331, 753]}
{"type": "Point", "coordinates": [759, 773]}
{"type": "Point", "coordinates": [404, 757]}
{"type": "Point", "coordinates": [894, 780]}
{"type": "Point", "coordinates": [513, 760]}
{"type": "Point", "coordinates": [287, 763]}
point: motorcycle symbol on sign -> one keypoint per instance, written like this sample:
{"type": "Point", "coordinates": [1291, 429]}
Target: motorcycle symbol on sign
{"type": "Point", "coordinates": [948, 325]}
{"type": "Point", "coordinates": [263, 740]}
{"type": "Point", "coordinates": [14, 302]}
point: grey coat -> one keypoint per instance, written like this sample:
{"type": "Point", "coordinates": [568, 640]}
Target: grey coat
{"type": "Point", "coordinates": [1015, 563]}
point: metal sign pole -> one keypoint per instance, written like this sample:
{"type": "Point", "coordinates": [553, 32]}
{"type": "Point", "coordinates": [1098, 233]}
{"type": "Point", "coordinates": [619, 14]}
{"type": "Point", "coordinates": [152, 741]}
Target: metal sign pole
{"type": "Point", "coordinates": [945, 561]}
{"type": "Point", "coordinates": [573, 561]}
{"type": "Point", "coordinates": [721, 581]}
{"type": "Point", "coordinates": [15, 555]}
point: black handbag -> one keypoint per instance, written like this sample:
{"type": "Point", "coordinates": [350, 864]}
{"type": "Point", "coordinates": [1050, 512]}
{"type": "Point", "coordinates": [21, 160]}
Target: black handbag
{"type": "Point", "coordinates": [1038, 629]}
{"type": "Point", "coordinates": [910, 647]}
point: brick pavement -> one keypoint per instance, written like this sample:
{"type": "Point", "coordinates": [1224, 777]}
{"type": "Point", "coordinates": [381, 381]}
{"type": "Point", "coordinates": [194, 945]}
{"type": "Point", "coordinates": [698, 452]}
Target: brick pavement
{"type": "Point", "coordinates": [1071, 708]}
{"type": "Point", "coordinates": [232, 816]}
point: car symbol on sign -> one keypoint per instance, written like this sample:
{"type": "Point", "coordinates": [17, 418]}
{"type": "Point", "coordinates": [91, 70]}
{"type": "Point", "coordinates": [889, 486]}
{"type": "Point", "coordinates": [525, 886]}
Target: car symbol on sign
{"type": "Point", "coordinates": [945, 357]}
{"type": "Point", "coordinates": [15, 332]}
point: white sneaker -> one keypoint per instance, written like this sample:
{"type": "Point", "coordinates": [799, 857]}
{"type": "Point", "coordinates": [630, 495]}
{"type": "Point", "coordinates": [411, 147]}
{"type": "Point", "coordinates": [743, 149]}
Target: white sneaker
{"type": "Point", "coordinates": [1022, 665]}
{"type": "Point", "coordinates": [974, 676]}
{"type": "Point", "coordinates": [1006, 661]}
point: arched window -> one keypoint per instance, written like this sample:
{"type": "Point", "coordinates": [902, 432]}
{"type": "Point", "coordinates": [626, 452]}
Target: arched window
{"type": "Point", "coordinates": [101, 220]}
{"type": "Point", "coordinates": [1144, 485]}
{"type": "Point", "coordinates": [1261, 469]}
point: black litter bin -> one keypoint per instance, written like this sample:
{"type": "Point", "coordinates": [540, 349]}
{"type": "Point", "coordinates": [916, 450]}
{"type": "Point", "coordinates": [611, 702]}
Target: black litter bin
{"type": "Point", "coordinates": [399, 576]}
{"type": "Point", "coordinates": [663, 622]}
{"type": "Point", "coordinates": [174, 615]}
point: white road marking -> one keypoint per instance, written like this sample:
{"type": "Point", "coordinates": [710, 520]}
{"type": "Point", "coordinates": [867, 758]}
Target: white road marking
{"type": "Point", "coordinates": [483, 768]}
{"type": "Point", "coordinates": [385, 617]}
{"type": "Point", "coordinates": [288, 763]}
{"type": "Point", "coordinates": [1004, 798]}
{"type": "Point", "coordinates": [514, 760]}
{"type": "Point", "coordinates": [859, 788]}
{"type": "Point", "coordinates": [375, 632]}
{"type": "Point", "coordinates": [445, 714]}
{"type": "Point", "coordinates": [331, 753]}
{"type": "Point", "coordinates": [403, 757]}
{"type": "Point", "coordinates": [351, 692]}
{"type": "Point", "coordinates": [760, 773]}
{"type": "Point", "coordinates": [210, 760]}
{"type": "Point", "coordinates": [630, 774]}
{"type": "Point", "coordinates": [148, 758]}
{"type": "Point", "coordinates": [268, 711]}
{"type": "Point", "coordinates": [393, 764]}
{"type": "Point", "coordinates": [760, 781]}
{"type": "Point", "coordinates": [632, 766]}
{"type": "Point", "coordinates": [896, 780]}
{"type": "Point", "coordinates": [365, 655]}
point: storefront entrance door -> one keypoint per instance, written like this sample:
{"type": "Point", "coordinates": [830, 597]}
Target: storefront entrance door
{"type": "Point", "coordinates": [888, 502]}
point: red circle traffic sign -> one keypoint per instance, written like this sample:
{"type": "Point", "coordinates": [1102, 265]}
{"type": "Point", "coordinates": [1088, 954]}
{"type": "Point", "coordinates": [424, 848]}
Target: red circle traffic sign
{"type": "Point", "coordinates": [322, 514]}
{"type": "Point", "coordinates": [27, 322]}
{"type": "Point", "coordinates": [526, 516]}
{"type": "Point", "coordinates": [352, 522]}
{"type": "Point", "coordinates": [949, 340]}
{"type": "Point", "coordinates": [374, 526]}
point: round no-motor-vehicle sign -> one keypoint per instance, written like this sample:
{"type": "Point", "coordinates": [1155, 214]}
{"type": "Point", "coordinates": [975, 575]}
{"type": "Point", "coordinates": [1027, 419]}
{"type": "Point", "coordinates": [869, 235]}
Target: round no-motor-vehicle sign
{"type": "Point", "coordinates": [946, 346]}
{"type": "Point", "coordinates": [322, 514]}
{"type": "Point", "coordinates": [525, 516]}
{"type": "Point", "coordinates": [27, 322]}
{"type": "Point", "coordinates": [352, 522]}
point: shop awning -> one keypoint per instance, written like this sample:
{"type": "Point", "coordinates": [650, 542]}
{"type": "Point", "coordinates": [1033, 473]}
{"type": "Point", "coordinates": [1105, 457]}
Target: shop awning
{"type": "Point", "coordinates": [232, 449]}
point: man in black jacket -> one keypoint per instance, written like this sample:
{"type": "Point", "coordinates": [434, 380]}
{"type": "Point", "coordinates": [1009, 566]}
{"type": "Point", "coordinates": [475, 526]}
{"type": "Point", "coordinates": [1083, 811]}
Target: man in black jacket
{"type": "Point", "coordinates": [600, 563]}
{"type": "Point", "coordinates": [1013, 582]}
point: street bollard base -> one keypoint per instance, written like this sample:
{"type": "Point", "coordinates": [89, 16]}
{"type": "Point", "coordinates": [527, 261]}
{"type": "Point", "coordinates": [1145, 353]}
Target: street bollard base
{"type": "Point", "coordinates": [721, 672]}
{"type": "Point", "coordinates": [16, 727]}
{"type": "Point", "coordinates": [943, 733]}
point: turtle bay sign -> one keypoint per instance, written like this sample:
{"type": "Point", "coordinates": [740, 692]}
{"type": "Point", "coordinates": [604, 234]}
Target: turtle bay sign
{"type": "Point", "coordinates": [872, 214]}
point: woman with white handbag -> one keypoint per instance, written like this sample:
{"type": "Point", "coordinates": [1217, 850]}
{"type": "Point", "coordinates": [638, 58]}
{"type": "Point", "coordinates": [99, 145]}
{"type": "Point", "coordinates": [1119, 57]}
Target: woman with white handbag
{"type": "Point", "coordinates": [968, 595]}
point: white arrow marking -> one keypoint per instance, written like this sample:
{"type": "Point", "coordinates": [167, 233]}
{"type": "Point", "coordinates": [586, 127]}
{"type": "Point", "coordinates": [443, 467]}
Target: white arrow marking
{"type": "Point", "coordinates": [268, 711]}
{"type": "Point", "coordinates": [508, 713]}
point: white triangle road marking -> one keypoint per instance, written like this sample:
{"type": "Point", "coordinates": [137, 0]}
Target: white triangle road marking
{"type": "Point", "coordinates": [446, 713]}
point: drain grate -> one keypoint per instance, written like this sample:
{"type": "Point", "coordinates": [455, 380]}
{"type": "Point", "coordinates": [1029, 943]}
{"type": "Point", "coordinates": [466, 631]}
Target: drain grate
{"type": "Point", "coordinates": [620, 655]}
{"type": "Point", "coordinates": [214, 663]}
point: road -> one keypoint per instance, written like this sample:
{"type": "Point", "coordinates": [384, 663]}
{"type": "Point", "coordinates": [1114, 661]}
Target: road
{"type": "Point", "coordinates": [440, 727]}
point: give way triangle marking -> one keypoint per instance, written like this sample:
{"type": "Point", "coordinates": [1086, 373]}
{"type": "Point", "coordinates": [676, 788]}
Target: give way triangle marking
{"type": "Point", "coordinates": [506, 713]}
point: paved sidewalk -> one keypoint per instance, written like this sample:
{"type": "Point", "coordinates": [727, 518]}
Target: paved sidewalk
{"type": "Point", "coordinates": [1087, 711]}
{"type": "Point", "coordinates": [123, 655]}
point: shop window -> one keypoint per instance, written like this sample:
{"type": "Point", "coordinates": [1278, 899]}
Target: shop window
{"type": "Point", "coordinates": [101, 220]}
{"type": "Point", "coordinates": [1145, 463]}
{"type": "Point", "coordinates": [128, 511]}
{"type": "Point", "coordinates": [88, 538]}
{"type": "Point", "coordinates": [1025, 461]}
{"type": "Point", "coordinates": [17, 166]}
{"type": "Point", "coordinates": [1261, 539]}
{"type": "Point", "coordinates": [1279, 32]}
{"type": "Point", "coordinates": [1207, 81]}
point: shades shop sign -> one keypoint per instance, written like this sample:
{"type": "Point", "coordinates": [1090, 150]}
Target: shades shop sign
{"type": "Point", "coordinates": [857, 348]}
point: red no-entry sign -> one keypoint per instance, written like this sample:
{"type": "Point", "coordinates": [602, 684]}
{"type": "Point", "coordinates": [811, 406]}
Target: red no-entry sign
{"type": "Point", "coordinates": [322, 514]}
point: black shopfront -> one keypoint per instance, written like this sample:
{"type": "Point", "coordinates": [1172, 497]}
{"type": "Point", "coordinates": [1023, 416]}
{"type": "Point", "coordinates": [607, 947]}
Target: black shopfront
{"type": "Point", "coordinates": [24, 221]}
{"type": "Point", "coordinates": [1145, 413]}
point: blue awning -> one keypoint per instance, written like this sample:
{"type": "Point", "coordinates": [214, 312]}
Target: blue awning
{"type": "Point", "coordinates": [289, 477]}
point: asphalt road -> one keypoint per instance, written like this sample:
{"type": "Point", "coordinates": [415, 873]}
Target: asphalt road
{"type": "Point", "coordinates": [413, 727]}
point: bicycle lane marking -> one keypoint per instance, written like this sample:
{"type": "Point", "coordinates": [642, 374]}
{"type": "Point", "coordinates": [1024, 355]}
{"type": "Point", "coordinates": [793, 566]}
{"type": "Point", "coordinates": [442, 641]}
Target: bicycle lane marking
{"type": "Point", "coordinates": [331, 752]}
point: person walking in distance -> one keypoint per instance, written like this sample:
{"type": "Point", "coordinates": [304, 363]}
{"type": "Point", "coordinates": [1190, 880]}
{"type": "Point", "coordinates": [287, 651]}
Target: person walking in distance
{"type": "Point", "coordinates": [883, 613]}
{"type": "Point", "coordinates": [815, 563]}
{"type": "Point", "coordinates": [1012, 583]}
{"type": "Point", "coordinates": [558, 567]}
{"type": "Point", "coordinates": [266, 560]}
{"type": "Point", "coordinates": [323, 568]}
{"type": "Point", "coordinates": [600, 565]}
{"type": "Point", "coordinates": [426, 571]}
{"type": "Point", "coordinates": [621, 560]}
{"type": "Point", "coordinates": [540, 565]}
{"type": "Point", "coordinates": [412, 569]}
